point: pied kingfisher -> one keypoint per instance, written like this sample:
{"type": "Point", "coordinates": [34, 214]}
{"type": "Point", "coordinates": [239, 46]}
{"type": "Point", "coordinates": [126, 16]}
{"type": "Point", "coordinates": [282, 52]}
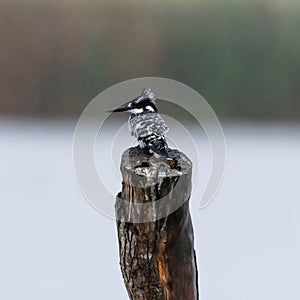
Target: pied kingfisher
{"type": "Point", "coordinates": [146, 124]}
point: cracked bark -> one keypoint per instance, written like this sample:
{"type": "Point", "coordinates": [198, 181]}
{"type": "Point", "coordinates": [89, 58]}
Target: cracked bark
{"type": "Point", "coordinates": [156, 241]}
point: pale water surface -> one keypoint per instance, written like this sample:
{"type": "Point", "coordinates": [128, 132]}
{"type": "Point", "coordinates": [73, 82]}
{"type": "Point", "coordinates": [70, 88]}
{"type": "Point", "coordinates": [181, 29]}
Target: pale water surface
{"type": "Point", "coordinates": [54, 245]}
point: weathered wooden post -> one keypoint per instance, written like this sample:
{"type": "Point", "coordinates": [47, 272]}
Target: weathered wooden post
{"type": "Point", "coordinates": [155, 232]}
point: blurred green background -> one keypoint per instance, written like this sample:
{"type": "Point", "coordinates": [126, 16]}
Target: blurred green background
{"type": "Point", "coordinates": [242, 56]}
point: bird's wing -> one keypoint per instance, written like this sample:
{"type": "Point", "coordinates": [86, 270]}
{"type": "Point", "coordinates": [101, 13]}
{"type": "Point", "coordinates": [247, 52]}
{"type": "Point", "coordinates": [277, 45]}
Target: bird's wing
{"type": "Point", "coordinates": [147, 124]}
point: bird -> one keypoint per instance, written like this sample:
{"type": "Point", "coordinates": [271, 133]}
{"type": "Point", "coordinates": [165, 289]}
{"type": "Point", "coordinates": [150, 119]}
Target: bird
{"type": "Point", "coordinates": [146, 124]}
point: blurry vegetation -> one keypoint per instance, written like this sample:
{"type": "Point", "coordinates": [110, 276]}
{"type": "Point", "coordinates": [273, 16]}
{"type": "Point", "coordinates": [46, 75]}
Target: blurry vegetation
{"type": "Point", "coordinates": [242, 56]}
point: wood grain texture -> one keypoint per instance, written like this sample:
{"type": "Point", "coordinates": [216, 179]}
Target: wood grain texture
{"type": "Point", "coordinates": [157, 257]}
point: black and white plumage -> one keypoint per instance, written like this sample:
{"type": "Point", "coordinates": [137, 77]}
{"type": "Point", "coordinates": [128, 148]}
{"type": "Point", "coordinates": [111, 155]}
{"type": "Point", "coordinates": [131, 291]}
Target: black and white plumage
{"type": "Point", "coordinates": [146, 124]}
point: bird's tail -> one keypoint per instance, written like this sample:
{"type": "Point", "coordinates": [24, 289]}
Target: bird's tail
{"type": "Point", "coordinates": [158, 145]}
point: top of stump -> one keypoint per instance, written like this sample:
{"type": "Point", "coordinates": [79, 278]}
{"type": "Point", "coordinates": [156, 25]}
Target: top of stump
{"type": "Point", "coordinates": [143, 164]}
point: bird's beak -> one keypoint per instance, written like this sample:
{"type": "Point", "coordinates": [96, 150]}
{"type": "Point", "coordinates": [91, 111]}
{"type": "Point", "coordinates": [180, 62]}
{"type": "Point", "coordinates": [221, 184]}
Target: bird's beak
{"type": "Point", "coordinates": [124, 107]}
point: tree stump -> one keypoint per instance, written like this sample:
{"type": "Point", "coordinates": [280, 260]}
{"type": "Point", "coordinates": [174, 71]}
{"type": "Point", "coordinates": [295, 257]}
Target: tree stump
{"type": "Point", "coordinates": [156, 241]}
